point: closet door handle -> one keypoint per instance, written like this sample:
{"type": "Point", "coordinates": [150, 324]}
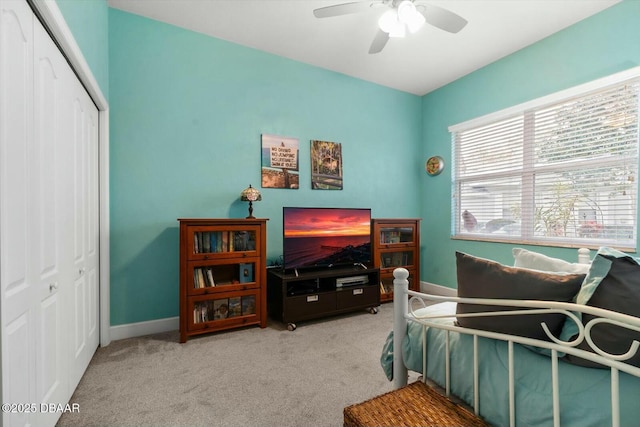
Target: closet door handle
{"type": "Point", "coordinates": [53, 286]}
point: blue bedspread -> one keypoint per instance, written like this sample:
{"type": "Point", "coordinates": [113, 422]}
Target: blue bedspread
{"type": "Point", "coordinates": [584, 392]}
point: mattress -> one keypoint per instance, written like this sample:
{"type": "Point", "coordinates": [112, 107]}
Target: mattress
{"type": "Point", "coordinates": [584, 392]}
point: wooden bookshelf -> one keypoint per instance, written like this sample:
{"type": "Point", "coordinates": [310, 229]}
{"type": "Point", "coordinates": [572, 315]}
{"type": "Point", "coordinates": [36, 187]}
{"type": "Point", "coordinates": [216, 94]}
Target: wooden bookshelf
{"type": "Point", "coordinates": [222, 275]}
{"type": "Point", "coordinates": [396, 243]}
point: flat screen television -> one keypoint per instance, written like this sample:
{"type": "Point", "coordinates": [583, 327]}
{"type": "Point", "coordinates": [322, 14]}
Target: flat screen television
{"type": "Point", "coordinates": [326, 237]}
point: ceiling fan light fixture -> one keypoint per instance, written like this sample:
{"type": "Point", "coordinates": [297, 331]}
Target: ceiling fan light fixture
{"type": "Point", "coordinates": [397, 21]}
{"type": "Point", "coordinates": [415, 24]}
{"type": "Point", "coordinates": [408, 15]}
{"type": "Point", "coordinates": [398, 32]}
{"type": "Point", "coordinates": [390, 24]}
{"type": "Point", "coordinates": [401, 15]}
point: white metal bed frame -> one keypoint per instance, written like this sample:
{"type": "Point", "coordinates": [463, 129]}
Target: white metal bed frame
{"type": "Point", "coordinates": [405, 310]}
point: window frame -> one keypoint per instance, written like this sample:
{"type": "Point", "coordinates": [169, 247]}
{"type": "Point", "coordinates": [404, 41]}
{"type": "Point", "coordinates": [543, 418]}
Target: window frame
{"type": "Point", "coordinates": [527, 172]}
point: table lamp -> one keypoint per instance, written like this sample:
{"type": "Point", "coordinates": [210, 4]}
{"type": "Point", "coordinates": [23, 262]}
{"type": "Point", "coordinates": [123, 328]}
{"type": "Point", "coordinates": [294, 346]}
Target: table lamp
{"type": "Point", "coordinates": [251, 195]}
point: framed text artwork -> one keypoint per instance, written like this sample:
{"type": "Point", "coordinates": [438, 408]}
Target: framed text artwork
{"type": "Point", "coordinates": [326, 165]}
{"type": "Point", "coordinates": [280, 166]}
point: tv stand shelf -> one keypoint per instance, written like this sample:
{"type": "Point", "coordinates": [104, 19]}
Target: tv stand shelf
{"type": "Point", "coordinates": [305, 295]}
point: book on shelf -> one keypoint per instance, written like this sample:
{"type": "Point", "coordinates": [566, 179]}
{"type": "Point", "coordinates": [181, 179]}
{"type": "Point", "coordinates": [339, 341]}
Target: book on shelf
{"type": "Point", "coordinates": [248, 305]}
{"type": "Point", "coordinates": [213, 241]}
{"type": "Point", "coordinates": [203, 242]}
{"type": "Point", "coordinates": [202, 312]}
{"type": "Point", "coordinates": [246, 272]}
{"type": "Point", "coordinates": [207, 245]}
{"type": "Point", "coordinates": [221, 308]}
{"type": "Point", "coordinates": [210, 280]}
{"type": "Point", "coordinates": [223, 241]}
{"type": "Point", "coordinates": [251, 242]}
{"type": "Point", "coordinates": [386, 262]}
{"type": "Point", "coordinates": [203, 278]}
{"type": "Point", "coordinates": [218, 241]}
{"type": "Point", "coordinates": [235, 306]}
{"type": "Point", "coordinates": [391, 237]}
{"type": "Point", "coordinates": [224, 247]}
{"type": "Point", "coordinates": [242, 241]}
{"type": "Point", "coordinates": [198, 278]}
{"type": "Point", "coordinates": [207, 241]}
{"type": "Point", "coordinates": [239, 240]}
{"type": "Point", "coordinates": [397, 259]}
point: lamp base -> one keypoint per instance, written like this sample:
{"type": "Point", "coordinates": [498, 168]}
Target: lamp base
{"type": "Point", "coordinates": [250, 211]}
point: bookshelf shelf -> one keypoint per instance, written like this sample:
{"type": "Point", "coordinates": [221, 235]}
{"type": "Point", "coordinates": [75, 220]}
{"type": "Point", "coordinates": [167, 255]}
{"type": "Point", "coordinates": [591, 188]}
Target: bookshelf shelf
{"type": "Point", "coordinates": [222, 275]}
{"type": "Point", "coordinates": [396, 243]}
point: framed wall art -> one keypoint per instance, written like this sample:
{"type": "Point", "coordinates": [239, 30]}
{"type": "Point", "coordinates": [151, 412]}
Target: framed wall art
{"type": "Point", "coordinates": [280, 165]}
{"type": "Point", "coordinates": [326, 165]}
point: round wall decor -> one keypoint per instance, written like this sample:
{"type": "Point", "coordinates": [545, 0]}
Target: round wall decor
{"type": "Point", "coordinates": [434, 165]}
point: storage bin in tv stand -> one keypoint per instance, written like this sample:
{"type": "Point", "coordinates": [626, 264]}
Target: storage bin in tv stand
{"type": "Point", "coordinates": [305, 295]}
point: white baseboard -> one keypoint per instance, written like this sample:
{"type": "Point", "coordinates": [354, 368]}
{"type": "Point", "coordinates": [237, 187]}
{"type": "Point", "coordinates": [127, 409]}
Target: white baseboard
{"type": "Point", "coordinates": [131, 330]}
{"type": "Point", "coordinates": [139, 329]}
{"type": "Point", "coordinates": [433, 289]}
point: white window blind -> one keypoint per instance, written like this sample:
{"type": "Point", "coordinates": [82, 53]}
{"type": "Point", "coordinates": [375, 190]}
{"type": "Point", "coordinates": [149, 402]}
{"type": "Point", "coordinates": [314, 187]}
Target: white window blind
{"type": "Point", "coordinates": [561, 170]}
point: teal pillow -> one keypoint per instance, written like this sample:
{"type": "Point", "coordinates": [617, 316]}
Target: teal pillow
{"type": "Point", "coordinates": [613, 283]}
{"type": "Point", "coordinates": [386, 358]}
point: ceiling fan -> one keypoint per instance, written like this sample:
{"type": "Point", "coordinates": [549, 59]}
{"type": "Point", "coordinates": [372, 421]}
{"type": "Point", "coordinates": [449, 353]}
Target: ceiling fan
{"type": "Point", "coordinates": [401, 16]}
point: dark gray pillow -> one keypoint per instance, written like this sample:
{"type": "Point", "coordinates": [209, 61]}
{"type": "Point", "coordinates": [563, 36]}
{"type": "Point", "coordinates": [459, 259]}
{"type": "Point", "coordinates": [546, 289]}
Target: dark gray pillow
{"type": "Point", "coordinates": [482, 278]}
{"type": "Point", "coordinates": [618, 291]}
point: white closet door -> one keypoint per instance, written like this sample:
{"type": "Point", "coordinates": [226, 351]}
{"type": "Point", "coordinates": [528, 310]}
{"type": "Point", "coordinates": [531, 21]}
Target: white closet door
{"type": "Point", "coordinates": [48, 219]}
{"type": "Point", "coordinates": [84, 193]}
{"type": "Point", "coordinates": [50, 178]}
{"type": "Point", "coordinates": [19, 323]}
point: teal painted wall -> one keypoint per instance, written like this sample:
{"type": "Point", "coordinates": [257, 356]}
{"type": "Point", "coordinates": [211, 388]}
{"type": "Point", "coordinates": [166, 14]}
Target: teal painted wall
{"type": "Point", "coordinates": [596, 47]}
{"type": "Point", "coordinates": [89, 23]}
{"type": "Point", "coordinates": [187, 112]}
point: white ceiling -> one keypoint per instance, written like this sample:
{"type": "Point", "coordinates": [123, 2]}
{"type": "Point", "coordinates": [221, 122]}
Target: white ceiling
{"type": "Point", "coordinates": [418, 64]}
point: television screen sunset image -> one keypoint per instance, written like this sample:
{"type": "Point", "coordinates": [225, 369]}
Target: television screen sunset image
{"type": "Point", "coordinates": [326, 236]}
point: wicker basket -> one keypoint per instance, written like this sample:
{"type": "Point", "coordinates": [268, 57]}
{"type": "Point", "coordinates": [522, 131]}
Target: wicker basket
{"type": "Point", "coordinates": [415, 405]}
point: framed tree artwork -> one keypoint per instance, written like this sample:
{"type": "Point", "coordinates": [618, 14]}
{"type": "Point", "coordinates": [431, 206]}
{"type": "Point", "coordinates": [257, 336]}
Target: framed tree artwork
{"type": "Point", "coordinates": [326, 165]}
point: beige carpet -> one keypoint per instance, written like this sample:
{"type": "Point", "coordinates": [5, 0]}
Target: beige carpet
{"type": "Point", "coordinates": [246, 377]}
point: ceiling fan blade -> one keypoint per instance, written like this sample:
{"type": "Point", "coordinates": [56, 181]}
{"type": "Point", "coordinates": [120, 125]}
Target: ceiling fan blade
{"type": "Point", "coordinates": [340, 9]}
{"type": "Point", "coordinates": [442, 18]}
{"type": "Point", "coordinates": [379, 41]}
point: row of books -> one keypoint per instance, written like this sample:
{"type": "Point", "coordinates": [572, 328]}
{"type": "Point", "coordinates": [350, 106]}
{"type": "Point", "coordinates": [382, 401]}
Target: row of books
{"type": "Point", "coordinates": [203, 277]}
{"type": "Point", "coordinates": [223, 241]}
{"type": "Point", "coordinates": [386, 288]}
{"type": "Point", "coordinates": [206, 311]}
{"type": "Point", "coordinates": [395, 236]}
{"type": "Point", "coordinates": [396, 259]}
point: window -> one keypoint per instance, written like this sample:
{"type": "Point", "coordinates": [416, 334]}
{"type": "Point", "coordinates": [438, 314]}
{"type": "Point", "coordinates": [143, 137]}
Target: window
{"type": "Point", "coordinates": [560, 171]}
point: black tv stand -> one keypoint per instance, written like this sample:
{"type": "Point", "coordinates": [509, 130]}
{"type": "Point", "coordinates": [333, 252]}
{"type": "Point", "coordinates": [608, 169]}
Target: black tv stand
{"type": "Point", "coordinates": [304, 295]}
{"type": "Point", "coordinates": [309, 270]}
